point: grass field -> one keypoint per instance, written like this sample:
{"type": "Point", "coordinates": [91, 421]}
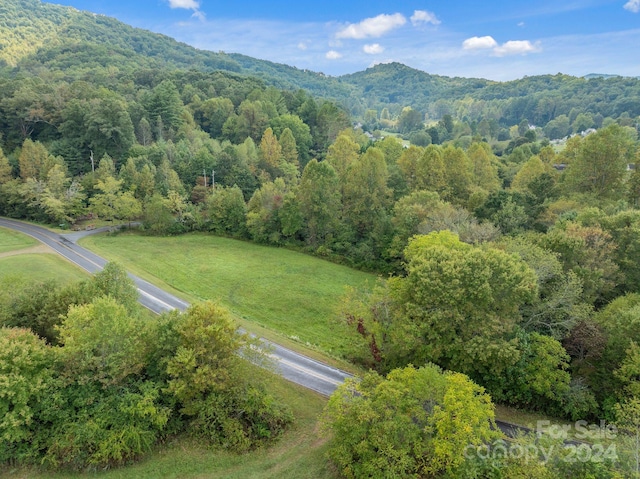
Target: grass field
{"type": "Point", "coordinates": [40, 267]}
{"type": "Point", "coordinates": [12, 240]}
{"type": "Point", "coordinates": [281, 290]}
{"type": "Point", "coordinates": [299, 454]}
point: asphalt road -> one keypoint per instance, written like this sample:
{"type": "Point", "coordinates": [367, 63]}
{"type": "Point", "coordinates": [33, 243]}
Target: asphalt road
{"type": "Point", "coordinates": [293, 366]}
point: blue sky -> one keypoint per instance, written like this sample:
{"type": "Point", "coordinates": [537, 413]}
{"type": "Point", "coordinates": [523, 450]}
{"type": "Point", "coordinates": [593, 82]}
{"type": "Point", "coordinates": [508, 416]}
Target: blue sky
{"type": "Point", "coordinates": [499, 40]}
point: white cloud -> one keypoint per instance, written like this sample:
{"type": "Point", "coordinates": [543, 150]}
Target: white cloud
{"type": "Point", "coordinates": [632, 6]}
{"type": "Point", "coordinates": [516, 47]}
{"type": "Point", "coordinates": [479, 43]}
{"type": "Point", "coordinates": [302, 46]}
{"type": "Point", "coordinates": [188, 4]}
{"type": "Point", "coordinates": [333, 55]}
{"type": "Point", "coordinates": [521, 24]}
{"type": "Point", "coordinates": [374, 49]}
{"type": "Point", "coordinates": [422, 16]}
{"type": "Point", "coordinates": [372, 27]}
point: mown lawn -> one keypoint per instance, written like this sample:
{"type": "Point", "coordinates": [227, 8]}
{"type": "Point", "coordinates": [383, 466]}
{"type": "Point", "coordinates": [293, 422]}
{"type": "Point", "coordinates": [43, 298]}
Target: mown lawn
{"type": "Point", "coordinates": [284, 291]}
{"type": "Point", "coordinates": [39, 267]}
{"type": "Point", "coordinates": [12, 240]}
{"type": "Point", "coordinates": [299, 454]}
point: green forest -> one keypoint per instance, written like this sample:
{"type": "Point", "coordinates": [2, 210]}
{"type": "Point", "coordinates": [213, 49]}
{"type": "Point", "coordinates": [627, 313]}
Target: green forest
{"type": "Point", "coordinates": [502, 219]}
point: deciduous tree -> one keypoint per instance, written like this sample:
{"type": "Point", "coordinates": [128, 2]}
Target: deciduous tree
{"type": "Point", "coordinates": [458, 304]}
{"type": "Point", "coordinates": [27, 370]}
{"type": "Point", "coordinates": [366, 197]}
{"type": "Point", "coordinates": [319, 199]}
{"type": "Point", "coordinates": [601, 164]}
{"type": "Point", "coordinates": [413, 423]}
{"type": "Point", "coordinates": [103, 342]}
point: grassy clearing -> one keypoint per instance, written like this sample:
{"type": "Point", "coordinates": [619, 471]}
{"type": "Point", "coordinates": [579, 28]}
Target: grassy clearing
{"type": "Point", "coordinates": [12, 240]}
{"type": "Point", "coordinates": [277, 289]}
{"type": "Point", "coordinates": [299, 454]}
{"type": "Point", "coordinates": [39, 267]}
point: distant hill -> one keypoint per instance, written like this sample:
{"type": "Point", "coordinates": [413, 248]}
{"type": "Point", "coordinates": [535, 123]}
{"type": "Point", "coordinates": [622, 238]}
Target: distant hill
{"type": "Point", "coordinates": [34, 35]}
{"type": "Point", "coordinates": [398, 83]}
{"type": "Point", "coordinates": [599, 75]}
{"type": "Point", "coordinates": [32, 30]}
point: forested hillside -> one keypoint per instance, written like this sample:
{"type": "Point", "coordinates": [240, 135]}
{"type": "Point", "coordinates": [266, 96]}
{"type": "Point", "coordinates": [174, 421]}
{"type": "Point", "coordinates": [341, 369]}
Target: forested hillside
{"type": "Point", "coordinates": [36, 34]}
{"type": "Point", "coordinates": [539, 99]}
{"type": "Point", "coordinates": [32, 28]}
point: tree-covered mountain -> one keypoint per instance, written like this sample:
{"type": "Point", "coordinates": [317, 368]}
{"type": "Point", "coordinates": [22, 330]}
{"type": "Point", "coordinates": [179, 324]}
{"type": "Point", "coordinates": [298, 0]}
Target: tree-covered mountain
{"type": "Point", "coordinates": [538, 99]}
{"type": "Point", "coordinates": [34, 32]}
{"type": "Point", "coordinates": [35, 35]}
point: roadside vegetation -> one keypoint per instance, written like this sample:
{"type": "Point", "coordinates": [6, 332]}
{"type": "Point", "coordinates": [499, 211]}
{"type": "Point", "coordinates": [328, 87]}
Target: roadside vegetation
{"type": "Point", "coordinates": [100, 384]}
{"type": "Point", "coordinates": [290, 293]}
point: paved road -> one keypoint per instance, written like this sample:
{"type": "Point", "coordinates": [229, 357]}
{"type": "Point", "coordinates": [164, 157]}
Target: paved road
{"type": "Point", "coordinates": [293, 366]}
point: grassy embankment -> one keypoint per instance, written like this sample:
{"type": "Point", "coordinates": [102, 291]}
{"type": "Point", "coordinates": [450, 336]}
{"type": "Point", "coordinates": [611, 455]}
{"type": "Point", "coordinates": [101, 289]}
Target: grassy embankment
{"type": "Point", "coordinates": [22, 258]}
{"type": "Point", "coordinates": [269, 289]}
{"type": "Point", "coordinates": [12, 240]}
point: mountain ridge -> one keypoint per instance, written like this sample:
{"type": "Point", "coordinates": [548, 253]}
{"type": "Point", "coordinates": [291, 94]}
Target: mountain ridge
{"type": "Point", "coordinates": [34, 34]}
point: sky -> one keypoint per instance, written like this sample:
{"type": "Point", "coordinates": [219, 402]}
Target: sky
{"type": "Point", "coordinates": [498, 40]}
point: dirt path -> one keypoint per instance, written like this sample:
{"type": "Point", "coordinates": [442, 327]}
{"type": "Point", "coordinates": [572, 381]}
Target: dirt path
{"type": "Point", "coordinates": [33, 250]}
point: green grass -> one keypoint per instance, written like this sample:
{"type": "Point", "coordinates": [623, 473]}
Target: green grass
{"type": "Point", "coordinates": [12, 240]}
{"type": "Point", "coordinates": [299, 454]}
{"type": "Point", "coordinates": [288, 292]}
{"type": "Point", "coordinates": [39, 267]}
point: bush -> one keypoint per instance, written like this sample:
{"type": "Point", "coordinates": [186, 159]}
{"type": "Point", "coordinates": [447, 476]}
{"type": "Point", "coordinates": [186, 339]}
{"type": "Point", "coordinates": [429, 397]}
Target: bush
{"type": "Point", "coordinates": [211, 386]}
{"type": "Point", "coordinates": [105, 427]}
{"type": "Point", "coordinates": [26, 364]}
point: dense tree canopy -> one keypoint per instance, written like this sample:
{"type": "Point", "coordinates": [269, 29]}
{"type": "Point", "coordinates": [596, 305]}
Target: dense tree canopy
{"type": "Point", "coordinates": [413, 423]}
{"type": "Point", "coordinates": [118, 382]}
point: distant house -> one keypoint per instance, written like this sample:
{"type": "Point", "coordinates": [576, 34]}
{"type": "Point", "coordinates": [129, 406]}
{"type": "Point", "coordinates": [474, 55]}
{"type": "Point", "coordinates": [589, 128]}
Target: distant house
{"type": "Point", "coordinates": [587, 132]}
{"type": "Point", "coordinates": [563, 166]}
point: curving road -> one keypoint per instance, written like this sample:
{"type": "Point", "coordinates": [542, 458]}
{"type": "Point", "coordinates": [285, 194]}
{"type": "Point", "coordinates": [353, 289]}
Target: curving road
{"type": "Point", "coordinates": [293, 366]}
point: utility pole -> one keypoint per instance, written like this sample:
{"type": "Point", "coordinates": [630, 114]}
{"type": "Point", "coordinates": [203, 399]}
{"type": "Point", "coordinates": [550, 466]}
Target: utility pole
{"type": "Point", "coordinates": [213, 179]}
{"type": "Point", "coordinates": [93, 166]}
{"type": "Point", "coordinates": [204, 174]}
